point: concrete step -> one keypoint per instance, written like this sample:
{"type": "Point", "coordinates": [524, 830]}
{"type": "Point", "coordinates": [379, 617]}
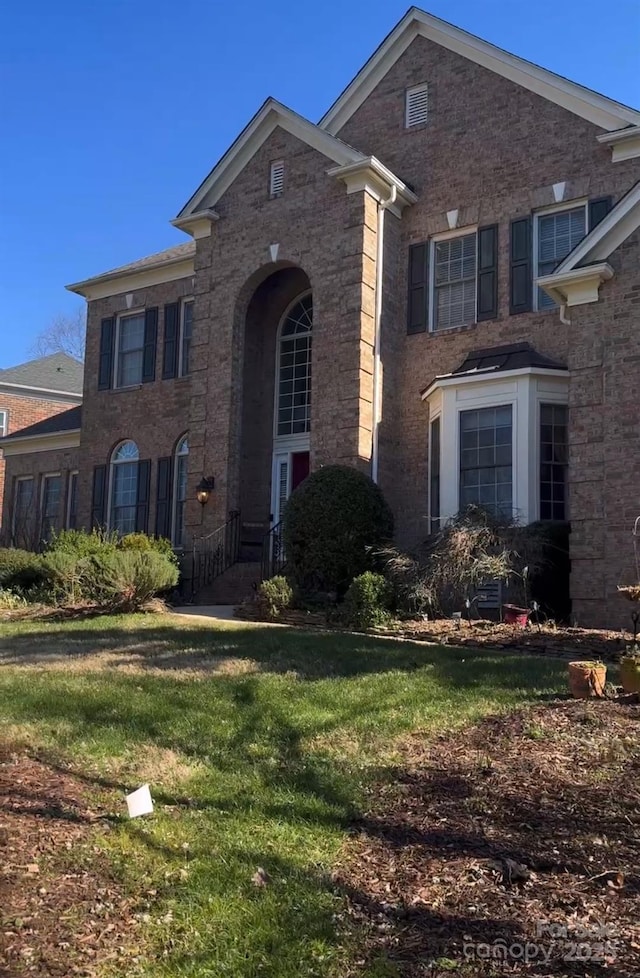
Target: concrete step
{"type": "Point", "coordinates": [232, 587]}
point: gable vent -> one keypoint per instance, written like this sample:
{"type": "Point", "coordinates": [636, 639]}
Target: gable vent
{"type": "Point", "coordinates": [276, 178]}
{"type": "Point", "coordinates": [416, 106]}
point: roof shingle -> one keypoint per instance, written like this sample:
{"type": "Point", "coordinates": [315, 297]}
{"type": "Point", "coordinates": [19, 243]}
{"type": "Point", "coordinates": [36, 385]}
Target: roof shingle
{"type": "Point", "coordinates": [57, 372]}
{"type": "Point", "coordinates": [57, 424]}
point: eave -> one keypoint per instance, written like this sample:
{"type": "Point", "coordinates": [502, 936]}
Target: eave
{"type": "Point", "coordinates": [624, 143]}
{"type": "Point", "coordinates": [493, 373]}
{"type": "Point", "coordinates": [117, 282]}
{"type": "Point", "coordinates": [577, 286]}
{"type": "Point", "coordinates": [374, 177]}
{"type": "Point", "coordinates": [28, 444]}
{"type": "Point", "coordinates": [40, 393]}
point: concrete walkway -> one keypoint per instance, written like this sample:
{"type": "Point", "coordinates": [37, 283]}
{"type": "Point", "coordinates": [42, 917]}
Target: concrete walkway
{"type": "Point", "coordinates": [221, 612]}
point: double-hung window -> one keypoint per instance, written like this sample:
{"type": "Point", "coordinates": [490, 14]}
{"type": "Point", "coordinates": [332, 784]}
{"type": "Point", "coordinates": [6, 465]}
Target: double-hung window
{"type": "Point", "coordinates": [23, 512]}
{"type": "Point", "coordinates": [556, 234]}
{"type": "Point", "coordinates": [454, 281]}
{"type": "Point", "coordinates": [50, 505]}
{"type": "Point", "coordinates": [486, 459]}
{"type": "Point", "coordinates": [130, 350]}
{"type": "Point", "coordinates": [72, 501]}
{"type": "Point", "coordinates": [186, 331]}
{"type": "Point", "coordinates": [4, 423]}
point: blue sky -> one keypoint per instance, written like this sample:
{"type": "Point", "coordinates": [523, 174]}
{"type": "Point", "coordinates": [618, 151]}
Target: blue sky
{"type": "Point", "coordinates": [113, 112]}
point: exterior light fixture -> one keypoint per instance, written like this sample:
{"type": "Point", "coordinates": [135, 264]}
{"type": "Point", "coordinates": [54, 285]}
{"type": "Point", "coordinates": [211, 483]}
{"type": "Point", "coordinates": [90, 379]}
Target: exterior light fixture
{"type": "Point", "coordinates": [204, 490]}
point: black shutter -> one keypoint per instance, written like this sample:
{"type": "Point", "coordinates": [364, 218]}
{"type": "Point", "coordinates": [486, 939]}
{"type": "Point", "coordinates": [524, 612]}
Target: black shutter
{"type": "Point", "coordinates": [418, 299]}
{"type": "Point", "coordinates": [170, 353]}
{"type": "Point", "coordinates": [107, 343]}
{"type": "Point", "coordinates": [150, 342]}
{"type": "Point", "coordinates": [142, 496]}
{"type": "Point", "coordinates": [521, 281]}
{"type": "Point", "coordinates": [598, 209]}
{"type": "Point", "coordinates": [487, 272]}
{"type": "Point", "coordinates": [98, 498]}
{"type": "Point", "coordinates": [163, 497]}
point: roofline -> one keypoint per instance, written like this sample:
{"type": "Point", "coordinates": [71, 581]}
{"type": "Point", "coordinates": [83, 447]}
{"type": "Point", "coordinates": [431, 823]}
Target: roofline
{"type": "Point", "coordinates": [49, 441]}
{"type": "Point", "coordinates": [621, 221]}
{"type": "Point", "coordinates": [598, 109]}
{"type": "Point", "coordinates": [111, 283]}
{"type": "Point", "coordinates": [451, 380]}
{"type": "Point", "coordinates": [26, 390]}
{"type": "Point", "coordinates": [270, 115]}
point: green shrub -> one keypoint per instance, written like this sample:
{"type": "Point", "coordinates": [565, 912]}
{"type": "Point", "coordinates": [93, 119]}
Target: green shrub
{"type": "Point", "coordinates": [83, 544]}
{"type": "Point", "coordinates": [10, 601]}
{"type": "Point", "coordinates": [20, 569]}
{"type": "Point", "coordinates": [274, 596]}
{"type": "Point", "coordinates": [126, 579]}
{"type": "Point", "coordinates": [143, 543]}
{"type": "Point", "coordinates": [367, 601]}
{"type": "Point", "coordinates": [332, 522]}
{"type": "Point", "coordinates": [67, 578]}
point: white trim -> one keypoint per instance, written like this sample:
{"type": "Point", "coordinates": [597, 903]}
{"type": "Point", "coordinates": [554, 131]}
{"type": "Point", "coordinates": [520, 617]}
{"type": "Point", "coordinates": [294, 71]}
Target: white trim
{"type": "Point", "coordinates": [578, 286]}
{"type": "Point", "coordinates": [490, 373]}
{"type": "Point", "coordinates": [416, 90]}
{"type": "Point", "coordinates": [115, 283]}
{"type": "Point", "coordinates": [4, 423]}
{"type": "Point", "coordinates": [52, 442]}
{"type": "Point", "coordinates": [448, 236]}
{"type": "Point", "coordinates": [597, 109]}
{"type": "Point", "coordinates": [284, 441]}
{"type": "Point", "coordinates": [568, 205]}
{"type": "Point", "coordinates": [271, 115]}
{"type": "Point", "coordinates": [276, 178]}
{"type": "Point", "coordinates": [624, 143]}
{"type": "Point", "coordinates": [39, 393]}
{"type": "Point", "coordinates": [72, 473]}
{"type": "Point", "coordinates": [111, 464]}
{"type": "Point", "coordinates": [370, 175]}
{"type": "Point", "coordinates": [174, 487]}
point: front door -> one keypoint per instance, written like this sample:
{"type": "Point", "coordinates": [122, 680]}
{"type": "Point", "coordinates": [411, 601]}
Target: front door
{"type": "Point", "coordinates": [289, 470]}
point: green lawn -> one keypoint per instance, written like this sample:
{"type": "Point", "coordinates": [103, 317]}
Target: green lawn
{"type": "Point", "coordinates": [259, 744]}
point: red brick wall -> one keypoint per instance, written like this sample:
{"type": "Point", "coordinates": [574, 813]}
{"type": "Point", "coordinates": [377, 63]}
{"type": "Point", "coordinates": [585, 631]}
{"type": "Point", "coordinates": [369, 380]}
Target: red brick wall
{"type": "Point", "coordinates": [25, 411]}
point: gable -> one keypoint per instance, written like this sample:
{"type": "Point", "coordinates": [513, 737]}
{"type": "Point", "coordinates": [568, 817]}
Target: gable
{"type": "Point", "coordinates": [595, 108]}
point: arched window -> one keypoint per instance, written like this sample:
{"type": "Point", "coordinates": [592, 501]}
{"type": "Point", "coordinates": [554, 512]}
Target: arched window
{"type": "Point", "coordinates": [180, 492]}
{"type": "Point", "coordinates": [294, 369]}
{"type": "Point", "coordinates": [124, 487]}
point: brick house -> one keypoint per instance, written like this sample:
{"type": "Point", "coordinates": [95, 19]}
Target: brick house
{"type": "Point", "coordinates": [31, 394]}
{"type": "Point", "coordinates": [438, 283]}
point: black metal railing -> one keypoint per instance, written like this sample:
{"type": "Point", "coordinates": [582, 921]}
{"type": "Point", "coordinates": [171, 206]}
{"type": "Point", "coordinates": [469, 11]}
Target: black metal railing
{"type": "Point", "coordinates": [273, 556]}
{"type": "Point", "coordinates": [214, 553]}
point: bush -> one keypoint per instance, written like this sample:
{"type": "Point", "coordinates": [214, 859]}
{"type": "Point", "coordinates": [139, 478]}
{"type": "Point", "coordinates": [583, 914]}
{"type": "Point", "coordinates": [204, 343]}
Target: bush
{"type": "Point", "coordinates": [274, 596]}
{"type": "Point", "coordinates": [366, 603]}
{"type": "Point", "coordinates": [143, 543]}
{"type": "Point", "coordinates": [67, 578]}
{"type": "Point", "coordinates": [332, 523]}
{"type": "Point", "coordinates": [10, 601]}
{"type": "Point", "coordinates": [79, 543]}
{"type": "Point", "coordinates": [127, 579]}
{"type": "Point", "coordinates": [20, 569]}
{"type": "Point", "coordinates": [472, 549]}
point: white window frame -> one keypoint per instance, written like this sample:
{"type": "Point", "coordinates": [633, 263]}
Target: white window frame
{"type": "Point", "coordinates": [524, 390]}
{"type": "Point", "coordinates": [188, 300]}
{"type": "Point", "coordinates": [547, 397]}
{"type": "Point", "coordinates": [174, 487]}
{"type": "Point", "coordinates": [300, 437]}
{"type": "Point", "coordinates": [434, 416]}
{"type": "Point", "coordinates": [73, 474]}
{"type": "Point", "coordinates": [112, 466]}
{"type": "Point", "coordinates": [4, 422]}
{"type": "Point", "coordinates": [415, 89]}
{"type": "Point", "coordinates": [569, 205]}
{"type": "Point", "coordinates": [447, 236]}
{"type": "Point", "coordinates": [128, 314]}
{"type": "Point", "coordinates": [43, 482]}
{"type": "Point", "coordinates": [14, 505]}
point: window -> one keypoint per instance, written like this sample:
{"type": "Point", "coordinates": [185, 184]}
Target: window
{"type": "Point", "coordinates": [130, 350]}
{"type": "Point", "coordinates": [553, 461]}
{"type": "Point", "coordinates": [556, 234]}
{"type": "Point", "coordinates": [486, 459]}
{"type": "Point", "coordinates": [416, 106]}
{"type": "Point", "coordinates": [434, 475]}
{"type": "Point", "coordinates": [72, 501]}
{"type": "Point", "coordinates": [454, 282]}
{"type": "Point", "coordinates": [124, 488]}
{"type": "Point", "coordinates": [276, 179]}
{"type": "Point", "coordinates": [23, 512]}
{"type": "Point", "coordinates": [186, 330]}
{"type": "Point", "coordinates": [294, 370]}
{"type": "Point", "coordinates": [4, 423]}
{"type": "Point", "coordinates": [50, 505]}
{"type": "Point", "coordinates": [180, 492]}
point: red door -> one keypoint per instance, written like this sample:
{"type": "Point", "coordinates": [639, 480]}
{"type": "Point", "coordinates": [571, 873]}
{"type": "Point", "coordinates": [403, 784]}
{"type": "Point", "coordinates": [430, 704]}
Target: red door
{"type": "Point", "coordinates": [299, 468]}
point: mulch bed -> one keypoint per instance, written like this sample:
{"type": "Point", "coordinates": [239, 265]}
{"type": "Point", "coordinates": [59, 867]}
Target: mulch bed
{"type": "Point", "coordinates": [62, 913]}
{"type": "Point", "coordinates": [520, 836]}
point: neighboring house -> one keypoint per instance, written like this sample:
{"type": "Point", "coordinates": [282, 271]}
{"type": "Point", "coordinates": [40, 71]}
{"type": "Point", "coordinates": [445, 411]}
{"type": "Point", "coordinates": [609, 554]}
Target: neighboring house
{"type": "Point", "coordinates": [439, 283]}
{"type": "Point", "coordinates": [29, 393]}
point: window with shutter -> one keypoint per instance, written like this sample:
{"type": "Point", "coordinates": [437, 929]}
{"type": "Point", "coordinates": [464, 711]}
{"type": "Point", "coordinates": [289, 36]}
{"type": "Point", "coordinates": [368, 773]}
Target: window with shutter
{"type": "Point", "coordinates": [416, 106]}
{"type": "Point", "coordinates": [557, 233]}
{"type": "Point", "coordinates": [276, 179]}
{"type": "Point", "coordinates": [454, 282]}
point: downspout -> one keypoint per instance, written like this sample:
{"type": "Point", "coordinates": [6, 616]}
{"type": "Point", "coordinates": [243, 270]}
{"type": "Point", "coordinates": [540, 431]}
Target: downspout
{"type": "Point", "coordinates": [564, 319]}
{"type": "Point", "coordinates": [377, 387]}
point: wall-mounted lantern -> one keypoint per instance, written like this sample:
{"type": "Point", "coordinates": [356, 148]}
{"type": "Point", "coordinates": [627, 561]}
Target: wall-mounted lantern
{"type": "Point", "coordinates": [204, 490]}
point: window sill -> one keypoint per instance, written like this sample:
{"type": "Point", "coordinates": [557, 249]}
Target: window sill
{"type": "Point", "coordinates": [120, 390]}
{"type": "Point", "coordinates": [454, 329]}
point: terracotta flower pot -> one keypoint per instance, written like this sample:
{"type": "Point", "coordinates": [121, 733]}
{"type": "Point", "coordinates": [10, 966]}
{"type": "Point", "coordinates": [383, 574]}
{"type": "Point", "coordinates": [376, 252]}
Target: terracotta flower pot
{"type": "Point", "coordinates": [587, 679]}
{"type": "Point", "coordinates": [630, 673]}
{"type": "Point", "coordinates": [515, 616]}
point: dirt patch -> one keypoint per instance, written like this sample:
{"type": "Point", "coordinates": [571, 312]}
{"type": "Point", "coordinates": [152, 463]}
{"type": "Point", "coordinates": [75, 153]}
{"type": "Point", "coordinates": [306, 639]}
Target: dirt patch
{"type": "Point", "coordinates": [513, 847]}
{"type": "Point", "coordinates": [62, 912]}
